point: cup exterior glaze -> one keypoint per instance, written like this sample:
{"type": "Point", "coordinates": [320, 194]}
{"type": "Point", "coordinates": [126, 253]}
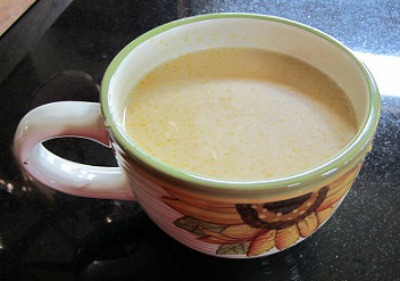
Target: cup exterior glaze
{"type": "Point", "coordinates": [236, 219]}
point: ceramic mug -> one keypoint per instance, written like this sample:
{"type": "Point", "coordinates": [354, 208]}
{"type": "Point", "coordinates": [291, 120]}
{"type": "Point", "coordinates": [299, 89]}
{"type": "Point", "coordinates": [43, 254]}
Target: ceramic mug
{"type": "Point", "coordinates": [221, 218]}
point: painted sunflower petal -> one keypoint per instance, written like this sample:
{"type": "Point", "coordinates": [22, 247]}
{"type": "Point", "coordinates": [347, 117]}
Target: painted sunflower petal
{"type": "Point", "coordinates": [334, 198]}
{"type": "Point", "coordinates": [325, 214]}
{"type": "Point", "coordinates": [308, 225]}
{"type": "Point", "coordinates": [217, 235]}
{"type": "Point", "coordinates": [286, 237]}
{"type": "Point", "coordinates": [240, 231]}
{"type": "Point", "coordinates": [202, 214]}
{"type": "Point", "coordinates": [213, 240]}
{"type": "Point", "coordinates": [262, 243]}
{"type": "Point", "coordinates": [337, 187]}
{"type": "Point", "coordinates": [217, 238]}
{"type": "Point", "coordinates": [344, 179]}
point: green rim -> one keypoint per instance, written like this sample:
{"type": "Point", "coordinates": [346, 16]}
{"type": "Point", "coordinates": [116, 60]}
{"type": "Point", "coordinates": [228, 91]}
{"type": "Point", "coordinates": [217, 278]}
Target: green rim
{"type": "Point", "coordinates": [353, 152]}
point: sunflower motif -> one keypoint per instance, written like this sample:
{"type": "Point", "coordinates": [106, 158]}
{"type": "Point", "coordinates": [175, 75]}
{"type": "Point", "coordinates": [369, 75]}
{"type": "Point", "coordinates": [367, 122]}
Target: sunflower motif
{"type": "Point", "coordinates": [255, 229]}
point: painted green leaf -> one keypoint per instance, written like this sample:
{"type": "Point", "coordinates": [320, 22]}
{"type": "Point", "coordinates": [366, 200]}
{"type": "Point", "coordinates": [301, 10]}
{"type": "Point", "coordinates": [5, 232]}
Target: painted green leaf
{"type": "Point", "coordinates": [195, 226]}
{"type": "Point", "coordinates": [233, 249]}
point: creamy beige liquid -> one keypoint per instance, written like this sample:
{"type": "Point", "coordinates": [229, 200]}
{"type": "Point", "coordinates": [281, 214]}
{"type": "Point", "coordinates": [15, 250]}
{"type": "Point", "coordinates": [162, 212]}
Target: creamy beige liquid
{"type": "Point", "coordinates": [239, 114]}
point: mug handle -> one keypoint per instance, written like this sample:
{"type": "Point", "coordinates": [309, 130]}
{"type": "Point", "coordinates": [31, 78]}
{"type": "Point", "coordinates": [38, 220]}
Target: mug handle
{"type": "Point", "coordinates": [67, 119]}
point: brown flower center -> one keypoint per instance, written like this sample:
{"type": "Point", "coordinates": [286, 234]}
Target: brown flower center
{"type": "Point", "coordinates": [281, 214]}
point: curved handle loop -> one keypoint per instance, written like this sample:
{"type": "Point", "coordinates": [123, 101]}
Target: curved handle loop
{"type": "Point", "coordinates": [67, 119]}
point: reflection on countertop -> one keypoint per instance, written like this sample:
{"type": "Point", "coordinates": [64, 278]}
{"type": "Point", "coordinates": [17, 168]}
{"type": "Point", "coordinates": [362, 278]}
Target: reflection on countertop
{"type": "Point", "coordinates": [386, 71]}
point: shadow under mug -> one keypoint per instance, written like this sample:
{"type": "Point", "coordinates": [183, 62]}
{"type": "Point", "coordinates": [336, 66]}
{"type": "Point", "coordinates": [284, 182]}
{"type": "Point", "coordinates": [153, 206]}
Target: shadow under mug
{"type": "Point", "coordinates": [231, 219]}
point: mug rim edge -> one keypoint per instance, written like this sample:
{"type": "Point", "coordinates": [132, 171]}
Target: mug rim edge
{"type": "Point", "coordinates": [353, 151]}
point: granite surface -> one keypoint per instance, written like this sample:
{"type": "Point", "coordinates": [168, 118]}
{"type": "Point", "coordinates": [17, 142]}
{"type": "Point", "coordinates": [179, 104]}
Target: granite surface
{"type": "Point", "coordinates": [46, 235]}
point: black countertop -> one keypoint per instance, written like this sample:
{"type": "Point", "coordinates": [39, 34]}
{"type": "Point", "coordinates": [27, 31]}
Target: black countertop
{"type": "Point", "coordinates": [46, 235]}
